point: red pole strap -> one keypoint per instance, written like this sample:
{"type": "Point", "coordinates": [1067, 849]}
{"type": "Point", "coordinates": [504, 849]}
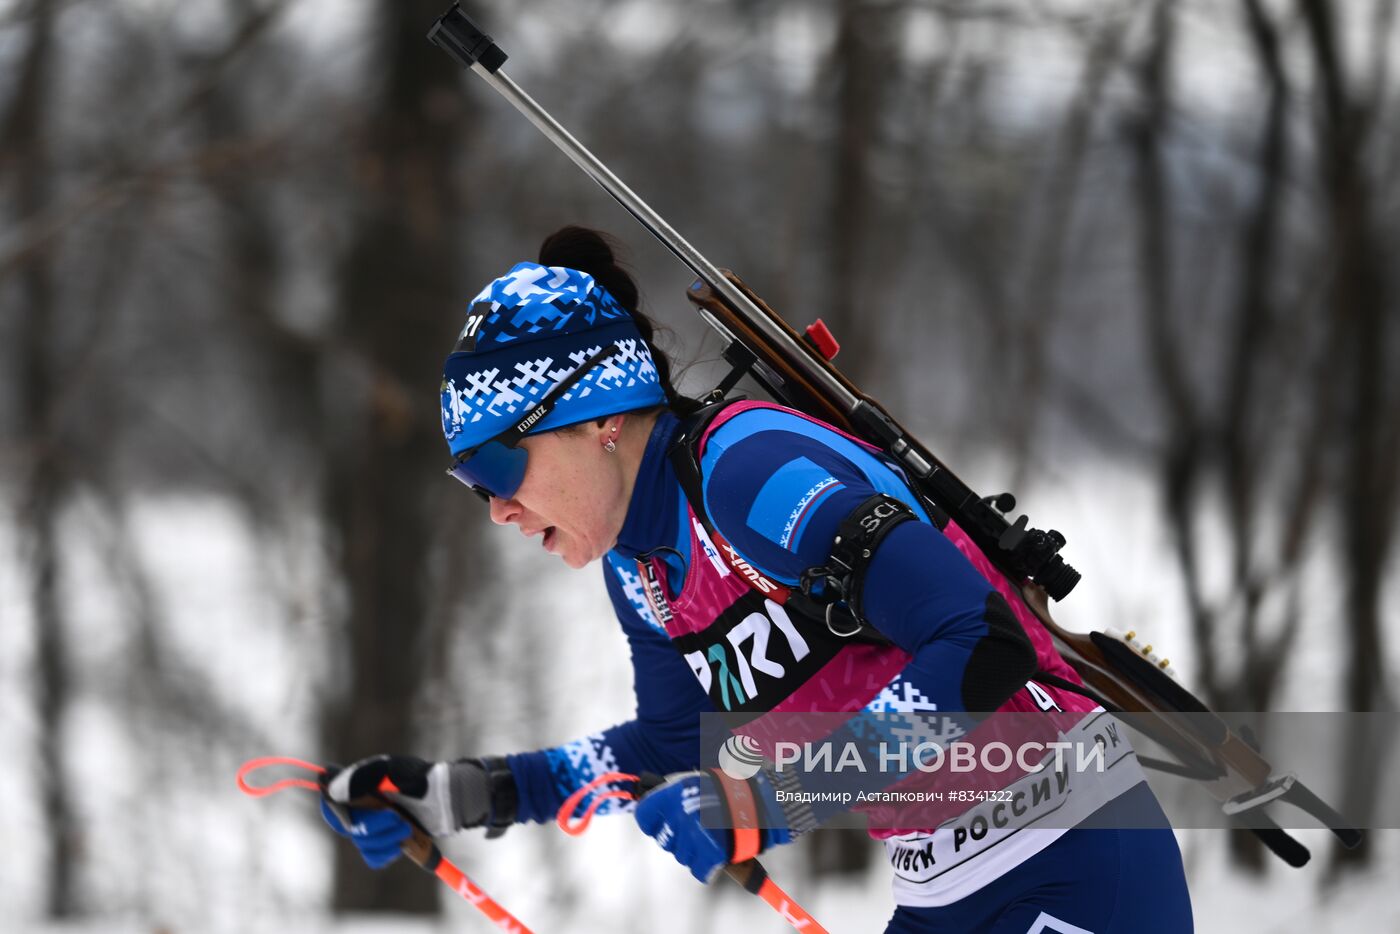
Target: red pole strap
{"type": "Point", "coordinates": [456, 880]}
{"type": "Point", "coordinates": [453, 877]}
{"type": "Point", "coordinates": [743, 808]}
{"type": "Point", "coordinates": [743, 813]}
{"type": "Point", "coordinates": [262, 791]}
{"type": "Point", "coordinates": [566, 810]}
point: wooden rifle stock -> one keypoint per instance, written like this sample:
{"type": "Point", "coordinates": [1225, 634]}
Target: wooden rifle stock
{"type": "Point", "coordinates": [1215, 750]}
{"type": "Point", "coordinates": [791, 363]}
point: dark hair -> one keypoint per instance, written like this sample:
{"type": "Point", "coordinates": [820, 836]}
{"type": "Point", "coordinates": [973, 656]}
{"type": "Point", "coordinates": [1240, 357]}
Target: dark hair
{"type": "Point", "coordinates": [596, 253]}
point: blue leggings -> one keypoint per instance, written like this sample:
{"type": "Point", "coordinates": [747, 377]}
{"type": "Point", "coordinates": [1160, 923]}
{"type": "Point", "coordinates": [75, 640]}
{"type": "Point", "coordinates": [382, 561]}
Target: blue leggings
{"type": "Point", "coordinates": [1089, 881]}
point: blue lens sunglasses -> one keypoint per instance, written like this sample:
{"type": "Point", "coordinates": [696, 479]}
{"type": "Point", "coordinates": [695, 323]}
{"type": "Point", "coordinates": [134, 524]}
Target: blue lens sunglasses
{"type": "Point", "coordinates": [496, 467]}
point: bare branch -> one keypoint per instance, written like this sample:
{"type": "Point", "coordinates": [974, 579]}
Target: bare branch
{"type": "Point", "coordinates": [40, 232]}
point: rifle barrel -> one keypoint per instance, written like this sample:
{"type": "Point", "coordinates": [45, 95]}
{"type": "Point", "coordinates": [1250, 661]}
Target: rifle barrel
{"type": "Point", "coordinates": [454, 24]}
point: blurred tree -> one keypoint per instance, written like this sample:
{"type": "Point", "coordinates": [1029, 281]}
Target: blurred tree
{"type": "Point", "coordinates": [863, 63]}
{"type": "Point", "coordinates": [1047, 252]}
{"type": "Point", "coordinates": [1364, 348]}
{"type": "Point", "coordinates": [396, 287]}
{"type": "Point", "coordinates": [1299, 397]}
{"type": "Point", "coordinates": [27, 170]}
{"type": "Point", "coordinates": [1193, 435]}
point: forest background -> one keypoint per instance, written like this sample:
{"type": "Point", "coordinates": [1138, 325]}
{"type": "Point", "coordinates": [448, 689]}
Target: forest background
{"type": "Point", "coordinates": [1125, 258]}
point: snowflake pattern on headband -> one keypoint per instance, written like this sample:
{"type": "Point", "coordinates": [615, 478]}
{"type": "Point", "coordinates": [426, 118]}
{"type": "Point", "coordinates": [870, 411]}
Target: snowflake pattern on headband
{"type": "Point", "coordinates": [489, 392]}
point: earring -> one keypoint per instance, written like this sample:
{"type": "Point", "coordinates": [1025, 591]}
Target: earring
{"type": "Point", "coordinates": [610, 445]}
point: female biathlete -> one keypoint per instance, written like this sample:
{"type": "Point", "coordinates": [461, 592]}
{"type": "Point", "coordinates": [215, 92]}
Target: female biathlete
{"type": "Point", "coordinates": [559, 412]}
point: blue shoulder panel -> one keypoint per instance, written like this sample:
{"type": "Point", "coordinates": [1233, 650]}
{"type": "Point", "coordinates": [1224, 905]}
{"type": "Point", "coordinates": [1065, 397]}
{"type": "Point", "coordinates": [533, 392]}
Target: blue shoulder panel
{"type": "Point", "coordinates": [788, 482]}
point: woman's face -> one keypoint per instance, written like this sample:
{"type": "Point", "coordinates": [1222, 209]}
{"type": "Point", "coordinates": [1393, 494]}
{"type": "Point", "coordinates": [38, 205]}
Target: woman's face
{"type": "Point", "coordinates": [574, 495]}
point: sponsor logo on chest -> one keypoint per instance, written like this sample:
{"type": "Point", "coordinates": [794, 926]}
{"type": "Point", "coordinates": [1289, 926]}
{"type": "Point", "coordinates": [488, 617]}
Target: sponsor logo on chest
{"type": "Point", "coordinates": [708, 547]}
{"type": "Point", "coordinates": [746, 570]}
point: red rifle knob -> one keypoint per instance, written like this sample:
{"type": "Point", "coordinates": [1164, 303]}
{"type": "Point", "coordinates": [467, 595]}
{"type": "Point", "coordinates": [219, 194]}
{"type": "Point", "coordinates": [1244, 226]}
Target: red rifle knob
{"type": "Point", "coordinates": [819, 337]}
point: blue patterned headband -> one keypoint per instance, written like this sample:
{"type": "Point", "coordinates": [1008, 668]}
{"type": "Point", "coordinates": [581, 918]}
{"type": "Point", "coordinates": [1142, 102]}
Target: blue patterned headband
{"type": "Point", "coordinates": [525, 332]}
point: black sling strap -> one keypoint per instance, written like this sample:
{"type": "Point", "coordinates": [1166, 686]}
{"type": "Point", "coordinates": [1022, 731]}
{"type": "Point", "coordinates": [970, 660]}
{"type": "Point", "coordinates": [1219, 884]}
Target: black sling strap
{"type": "Point", "coordinates": [827, 605]}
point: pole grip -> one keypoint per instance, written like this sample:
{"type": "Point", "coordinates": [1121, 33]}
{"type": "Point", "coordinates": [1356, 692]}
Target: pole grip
{"type": "Point", "coordinates": [750, 874]}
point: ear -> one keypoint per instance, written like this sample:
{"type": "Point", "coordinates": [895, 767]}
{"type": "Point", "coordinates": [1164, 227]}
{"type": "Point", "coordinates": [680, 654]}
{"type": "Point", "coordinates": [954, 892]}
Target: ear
{"type": "Point", "coordinates": [611, 426]}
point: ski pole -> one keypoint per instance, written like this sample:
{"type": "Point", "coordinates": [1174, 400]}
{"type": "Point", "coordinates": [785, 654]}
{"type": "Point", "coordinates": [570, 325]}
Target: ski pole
{"type": "Point", "coordinates": [750, 873]}
{"type": "Point", "coordinates": [419, 847]}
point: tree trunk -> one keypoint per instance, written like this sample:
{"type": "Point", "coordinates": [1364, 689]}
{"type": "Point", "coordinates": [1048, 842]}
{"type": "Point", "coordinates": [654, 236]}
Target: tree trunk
{"type": "Point", "coordinates": [24, 143]}
{"type": "Point", "coordinates": [861, 52]}
{"type": "Point", "coordinates": [1357, 296]}
{"type": "Point", "coordinates": [398, 298]}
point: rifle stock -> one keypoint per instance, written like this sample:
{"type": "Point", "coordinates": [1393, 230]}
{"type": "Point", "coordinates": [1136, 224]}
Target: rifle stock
{"type": "Point", "coordinates": [1173, 725]}
{"type": "Point", "coordinates": [792, 363]}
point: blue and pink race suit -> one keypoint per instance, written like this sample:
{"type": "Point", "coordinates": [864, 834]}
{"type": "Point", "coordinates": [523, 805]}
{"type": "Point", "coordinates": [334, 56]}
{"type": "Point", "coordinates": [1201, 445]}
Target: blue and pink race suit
{"type": "Point", "coordinates": [710, 629]}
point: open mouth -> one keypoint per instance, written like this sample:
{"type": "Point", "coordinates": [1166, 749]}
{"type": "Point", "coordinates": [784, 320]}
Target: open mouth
{"type": "Point", "coordinates": [548, 540]}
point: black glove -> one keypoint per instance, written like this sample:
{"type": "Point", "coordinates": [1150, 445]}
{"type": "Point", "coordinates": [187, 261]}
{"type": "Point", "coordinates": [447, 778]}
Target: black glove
{"type": "Point", "coordinates": [440, 797]}
{"type": "Point", "coordinates": [443, 797]}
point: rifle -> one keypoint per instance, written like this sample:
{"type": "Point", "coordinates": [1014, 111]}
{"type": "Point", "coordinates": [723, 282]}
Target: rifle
{"type": "Point", "coordinates": [797, 370]}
